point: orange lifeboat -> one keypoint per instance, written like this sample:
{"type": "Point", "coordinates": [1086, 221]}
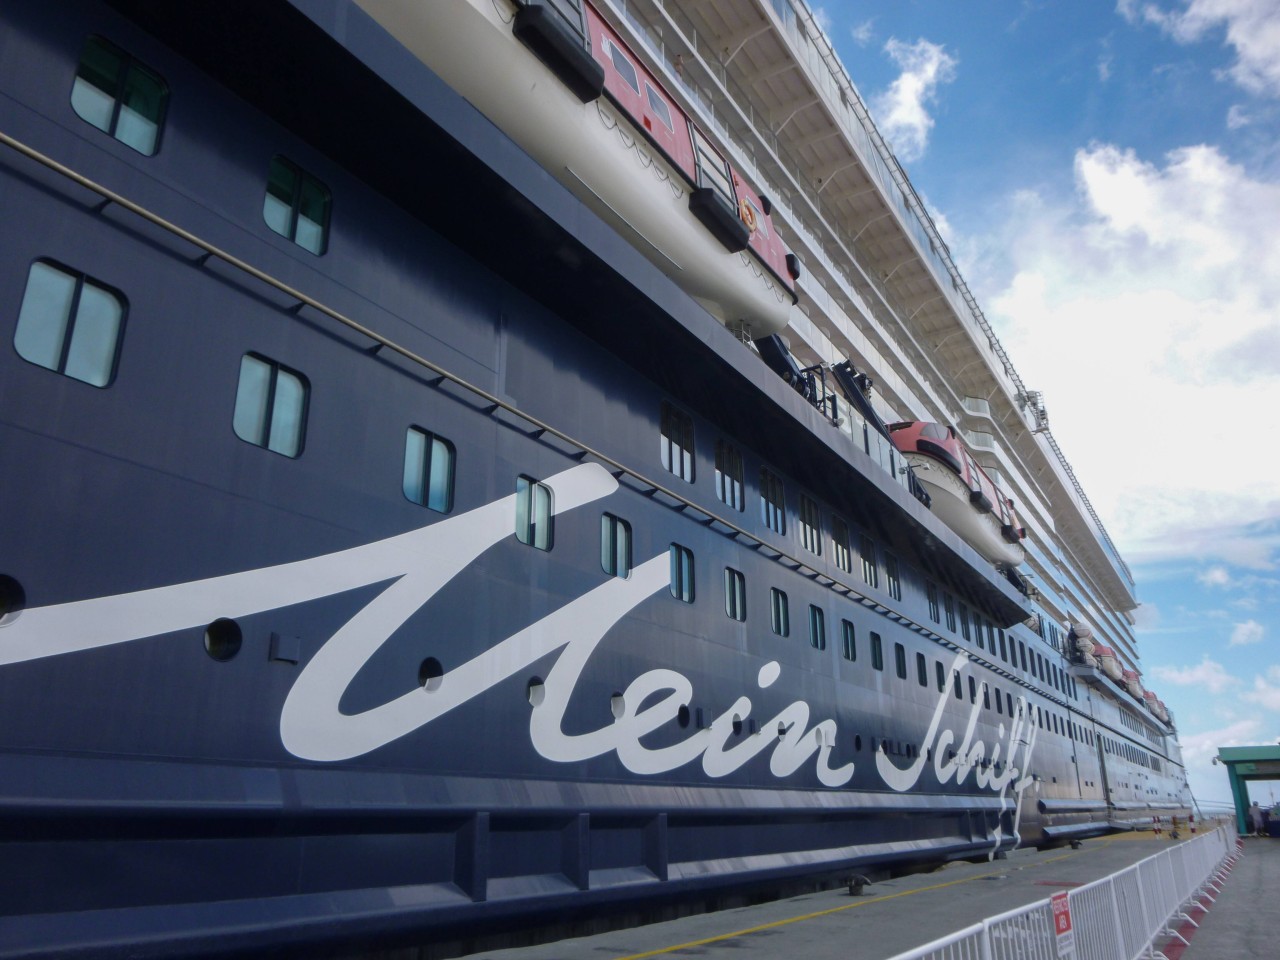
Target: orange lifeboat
{"type": "Point", "coordinates": [963, 495]}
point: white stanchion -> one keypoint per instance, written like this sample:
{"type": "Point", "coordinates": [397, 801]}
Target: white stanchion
{"type": "Point", "coordinates": [1120, 917]}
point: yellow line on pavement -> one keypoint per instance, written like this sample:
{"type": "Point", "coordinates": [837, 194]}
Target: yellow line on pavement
{"type": "Point", "coordinates": [822, 913]}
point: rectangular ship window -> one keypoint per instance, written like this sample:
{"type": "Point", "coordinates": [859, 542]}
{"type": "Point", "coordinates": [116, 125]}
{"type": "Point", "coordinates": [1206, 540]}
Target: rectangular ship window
{"type": "Point", "coordinates": [810, 526]}
{"type": "Point", "coordinates": [922, 670]}
{"type": "Point", "coordinates": [428, 470]}
{"type": "Point", "coordinates": [735, 594]}
{"type": "Point", "coordinates": [817, 628]}
{"type": "Point", "coordinates": [877, 652]}
{"type": "Point", "coordinates": [534, 513]}
{"type": "Point", "coordinates": [729, 482]}
{"type": "Point", "coordinates": [297, 205]}
{"type": "Point", "coordinates": [623, 66]}
{"type": "Point", "coordinates": [676, 445]}
{"type": "Point", "coordinates": [119, 96]}
{"type": "Point", "coordinates": [70, 324]}
{"type": "Point", "coordinates": [772, 501]}
{"type": "Point", "coordinates": [964, 624]}
{"type": "Point", "coordinates": [900, 660]}
{"type": "Point", "coordinates": [940, 673]}
{"type": "Point", "coordinates": [870, 572]}
{"type": "Point", "coordinates": [893, 582]}
{"type": "Point", "coordinates": [271, 405]}
{"type": "Point", "coordinates": [949, 608]}
{"type": "Point", "coordinates": [848, 641]}
{"type": "Point", "coordinates": [615, 546]}
{"type": "Point", "coordinates": [779, 612]}
{"type": "Point", "coordinates": [681, 573]}
{"type": "Point", "coordinates": [659, 106]}
{"type": "Point", "coordinates": [840, 545]}
{"type": "Point", "coordinates": [931, 592]}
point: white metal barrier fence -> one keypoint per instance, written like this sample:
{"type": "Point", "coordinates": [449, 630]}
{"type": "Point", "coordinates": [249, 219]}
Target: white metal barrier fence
{"type": "Point", "coordinates": [1119, 917]}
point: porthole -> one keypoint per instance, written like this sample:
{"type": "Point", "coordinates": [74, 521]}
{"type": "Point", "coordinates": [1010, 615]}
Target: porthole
{"type": "Point", "coordinates": [12, 599]}
{"type": "Point", "coordinates": [617, 705]}
{"type": "Point", "coordinates": [222, 639]}
{"type": "Point", "coordinates": [535, 691]}
{"type": "Point", "coordinates": [682, 716]}
{"type": "Point", "coordinates": [737, 725]}
{"type": "Point", "coordinates": [429, 674]}
{"type": "Point", "coordinates": [857, 742]}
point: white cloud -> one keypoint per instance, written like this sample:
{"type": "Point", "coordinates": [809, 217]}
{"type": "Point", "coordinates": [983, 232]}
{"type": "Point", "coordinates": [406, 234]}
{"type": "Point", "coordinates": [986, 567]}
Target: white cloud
{"type": "Point", "coordinates": [901, 110]}
{"type": "Point", "coordinates": [1266, 690]}
{"type": "Point", "coordinates": [1207, 673]}
{"type": "Point", "coordinates": [1209, 782]}
{"type": "Point", "coordinates": [863, 33]}
{"type": "Point", "coordinates": [1252, 28]}
{"type": "Point", "coordinates": [1251, 631]}
{"type": "Point", "coordinates": [1237, 117]}
{"type": "Point", "coordinates": [1104, 68]}
{"type": "Point", "coordinates": [1149, 302]}
{"type": "Point", "coordinates": [1215, 577]}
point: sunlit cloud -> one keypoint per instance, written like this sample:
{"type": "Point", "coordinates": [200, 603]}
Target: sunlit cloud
{"type": "Point", "coordinates": [1155, 289]}
{"type": "Point", "coordinates": [1266, 690]}
{"type": "Point", "coordinates": [1251, 29]}
{"type": "Point", "coordinates": [863, 32]}
{"type": "Point", "coordinates": [1208, 674]}
{"type": "Point", "coordinates": [1242, 634]}
{"type": "Point", "coordinates": [901, 111]}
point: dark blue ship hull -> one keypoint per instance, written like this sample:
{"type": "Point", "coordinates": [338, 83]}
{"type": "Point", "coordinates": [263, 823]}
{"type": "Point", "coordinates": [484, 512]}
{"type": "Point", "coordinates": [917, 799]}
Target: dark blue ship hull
{"type": "Point", "coordinates": [323, 782]}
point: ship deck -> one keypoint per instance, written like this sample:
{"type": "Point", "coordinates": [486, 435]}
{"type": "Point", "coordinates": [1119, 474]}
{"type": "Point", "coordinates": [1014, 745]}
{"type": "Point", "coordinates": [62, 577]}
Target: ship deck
{"type": "Point", "coordinates": [897, 915]}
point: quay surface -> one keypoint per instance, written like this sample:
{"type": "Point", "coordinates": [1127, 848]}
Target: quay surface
{"type": "Point", "coordinates": [897, 915]}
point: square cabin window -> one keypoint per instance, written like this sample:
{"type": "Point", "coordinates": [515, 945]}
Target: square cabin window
{"type": "Point", "coordinates": [877, 652]}
{"type": "Point", "coordinates": [119, 96]}
{"type": "Point", "coordinates": [69, 324]}
{"type": "Point", "coordinates": [533, 513]}
{"type": "Point", "coordinates": [297, 206]}
{"type": "Point", "coordinates": [615, 546]}
{"type": "Point", "coordinates": [428, 470]}
{"type": "Point", "coordinates": [271, 405]}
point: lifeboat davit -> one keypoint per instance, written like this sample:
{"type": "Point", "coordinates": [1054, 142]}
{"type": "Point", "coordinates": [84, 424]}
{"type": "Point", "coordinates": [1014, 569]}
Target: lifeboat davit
{"type": "Point", "coordinates": [1133, 684]}
{"type": "Point", "coordinates": [964, 496]}
{"type": "Point", "coordinates": [620, 143]}
{"type": "Point", "coordinates": [1108, 663]}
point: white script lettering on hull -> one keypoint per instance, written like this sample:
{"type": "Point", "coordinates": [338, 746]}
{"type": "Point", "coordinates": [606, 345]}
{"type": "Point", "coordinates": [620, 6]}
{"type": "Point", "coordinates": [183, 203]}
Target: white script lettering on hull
{"type": "Point", "coordinates": [416, 565]}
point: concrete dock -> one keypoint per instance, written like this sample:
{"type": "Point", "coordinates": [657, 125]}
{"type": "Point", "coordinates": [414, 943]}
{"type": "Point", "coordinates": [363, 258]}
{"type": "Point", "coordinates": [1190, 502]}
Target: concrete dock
{"type": "Point", "coordinates": [1240, 924]}
{"type": "Point", "coordinates": [897, 915]}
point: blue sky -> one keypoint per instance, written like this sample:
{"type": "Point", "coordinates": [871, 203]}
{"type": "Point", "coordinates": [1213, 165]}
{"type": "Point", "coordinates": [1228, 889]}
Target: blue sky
{"type": "Point", "coordinates": [1107, 175]}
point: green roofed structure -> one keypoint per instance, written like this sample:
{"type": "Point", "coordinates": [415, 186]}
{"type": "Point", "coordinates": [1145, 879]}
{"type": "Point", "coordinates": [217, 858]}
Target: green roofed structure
{"type": "Point", "coordinates": [1244, 764]}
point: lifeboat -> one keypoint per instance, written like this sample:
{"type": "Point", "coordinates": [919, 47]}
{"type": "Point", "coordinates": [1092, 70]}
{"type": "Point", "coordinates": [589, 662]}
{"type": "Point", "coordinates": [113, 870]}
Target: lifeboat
{"type": "Point", "coordinates": [1108, 663]}
{"type": "Point", "coordinates": [1080, 638]}
{"type": "Point", "coordinates": [962, 493]}
{"type": "Point", "coordinates": [1133, 684]}
{"type": "Point", "coordinates": [560, 82]}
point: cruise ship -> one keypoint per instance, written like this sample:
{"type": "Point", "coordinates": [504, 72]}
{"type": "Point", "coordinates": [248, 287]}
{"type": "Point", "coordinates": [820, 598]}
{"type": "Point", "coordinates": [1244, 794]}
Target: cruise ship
{"type": "Point", "coordinates": [475, 461]}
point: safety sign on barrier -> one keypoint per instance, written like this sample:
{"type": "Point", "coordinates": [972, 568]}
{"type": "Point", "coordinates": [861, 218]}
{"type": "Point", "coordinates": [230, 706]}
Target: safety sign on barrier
{"type": "Point", "coordinates": [1063, 933]}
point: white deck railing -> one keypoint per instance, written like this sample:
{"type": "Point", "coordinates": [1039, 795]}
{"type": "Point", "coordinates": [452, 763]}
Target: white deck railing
{"type": "Point", "coordinates": [1120, 917]}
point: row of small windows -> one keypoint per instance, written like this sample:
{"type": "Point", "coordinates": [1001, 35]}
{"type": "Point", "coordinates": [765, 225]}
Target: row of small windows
{"type": "Point", "coordinates": [129, 101]}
